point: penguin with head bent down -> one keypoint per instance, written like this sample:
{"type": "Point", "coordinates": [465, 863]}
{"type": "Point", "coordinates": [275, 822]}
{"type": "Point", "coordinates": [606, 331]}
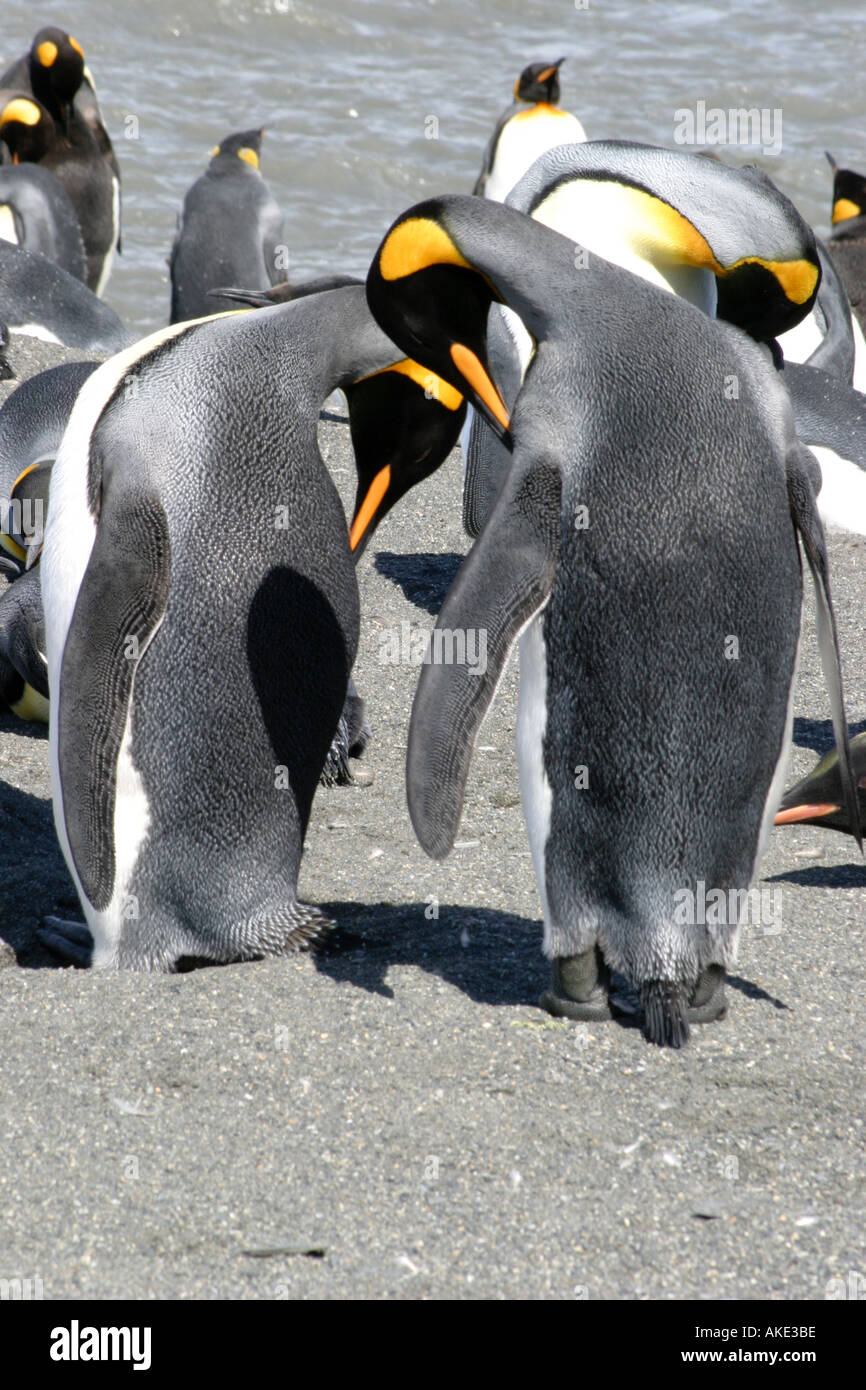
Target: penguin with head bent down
{"type": "Point", "coordinates": [643, 546]}
{"type": "Point", "coordinates": [202, 617]}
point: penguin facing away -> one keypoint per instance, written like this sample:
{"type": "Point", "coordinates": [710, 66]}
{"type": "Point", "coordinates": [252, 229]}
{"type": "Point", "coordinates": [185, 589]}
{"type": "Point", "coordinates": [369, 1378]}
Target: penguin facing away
{"type": "Point", "coordinates": [644, 549]}
{"type": "Point", "coordinates": [229, 231]}
{"type": "Point", "coordinates": [532, 124]}
{"type": "Point", "coordinates": [78, 149]}
{"type": "Point", "coordinates": [182, 819]}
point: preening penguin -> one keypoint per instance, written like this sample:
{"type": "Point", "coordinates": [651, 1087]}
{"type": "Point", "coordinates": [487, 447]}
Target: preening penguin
{"type": "Point", "coordinates": [78, 150]}
{"type": "Point", "coordinates": [194, 528]}
{"type": "Point", "coordinates": [229, 231]}
{"type": "Point", "coordinates": [532, 124]}
{"type": "Point", "coordinates": [644, 543]}
{"type": "Point", "coordinates": [819, 799]}
{"type": "Point", "coordinates": [725, 239]}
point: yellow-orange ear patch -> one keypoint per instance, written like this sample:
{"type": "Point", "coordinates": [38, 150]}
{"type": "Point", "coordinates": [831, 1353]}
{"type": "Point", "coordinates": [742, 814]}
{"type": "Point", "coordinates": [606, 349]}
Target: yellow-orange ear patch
{"type": "Point", "coordinates": [843, 208]}
{"type": "Point", "coordinates": [438, 389]}
{"type": "Point", "coordinates": [249, 156]}
{"type": "Point", "coordinates": [22, 110]}
{"type": "Point", "coordinates": [415, 245]}
{"type": "Point", "coordinates": [46, 54]}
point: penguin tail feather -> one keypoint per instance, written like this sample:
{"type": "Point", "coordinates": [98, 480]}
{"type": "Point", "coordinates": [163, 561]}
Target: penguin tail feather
{"type": "Point", "coordinates": [665, 1005]}
{"type": "Point", "coordinates": [335, 772]}
{"type": "Point", "coordinates": [310, 929]}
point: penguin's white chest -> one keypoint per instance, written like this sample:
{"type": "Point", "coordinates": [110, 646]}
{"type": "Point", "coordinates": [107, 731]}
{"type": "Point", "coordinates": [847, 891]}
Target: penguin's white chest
{"type": "Point", "coordinates": [7, 225]}
{"type": "Point", "coordinates": [523, 139]}
{"type": "Point", "coordinates": [535, 790]}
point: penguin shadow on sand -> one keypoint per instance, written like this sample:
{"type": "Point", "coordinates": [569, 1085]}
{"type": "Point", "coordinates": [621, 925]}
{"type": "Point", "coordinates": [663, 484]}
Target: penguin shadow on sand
{"type": "Point", "coordinates": [424, 577]}
{"type": "Point", "coordinates": [35, 879]}
{"type": "Point", "coordinates": [493, 957]}
{"type": "Point", "coordinates": [817, 734]}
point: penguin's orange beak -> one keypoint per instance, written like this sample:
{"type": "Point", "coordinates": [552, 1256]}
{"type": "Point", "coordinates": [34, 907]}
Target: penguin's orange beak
{"type": "Point", "coordinates": [800, 813]}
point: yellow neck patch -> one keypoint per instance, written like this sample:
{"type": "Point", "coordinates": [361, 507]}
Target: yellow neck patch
{"type": "Point", "coordinates": [663, 236]}
{"type": "Point", "coordinates": [541, 108]}
{"type": "Point", "coordinates": [21, 110]}
{"type": "Point", "coordinates": [46, 54]}
{"type": "Point", "coordinates": [249, 156]}
{"type": "Point", "coordinates": [417, 244]}
{"type": "Point", "coordinates": [439, 390]}
{"type": "Point", "coordinates": [843, 208]}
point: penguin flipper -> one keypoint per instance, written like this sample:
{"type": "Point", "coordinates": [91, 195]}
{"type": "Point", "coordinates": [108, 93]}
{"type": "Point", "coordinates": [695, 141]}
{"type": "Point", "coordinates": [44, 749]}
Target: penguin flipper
{"type": "Point", "coordinates": [800, 466]}
{"type": "Point", "coordinates": [119, 606]}
{"type": "Point", "coordinates": [504, 581]}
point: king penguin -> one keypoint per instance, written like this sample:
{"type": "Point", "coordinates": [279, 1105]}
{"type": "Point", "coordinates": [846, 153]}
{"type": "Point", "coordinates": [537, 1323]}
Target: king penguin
{"type": "Point", "coordinates": [201, 624]}
{"type": "Point", "coordinates": [229, 231]}
{"type": "Point", "coordinates": [819, 798]}
{"type": "Point", "coordinates": [693, 227]}
{"type": "Point", "coordinates": [32, 422]}
{"type": "Point", "coordinates": [725, 239]}
{"type": "Point", "coordinates": [532, 124]}
{"type": "Point", "coordinates": [35, 209]}
{"type": "Point", "coordinates": [38, 299]}
{"type": "Point", "coordinates": [644, 548]}
{"type": "Point", "coordinates": [79, 152]}
{"type": "Point", "coordinates": [847, 244]}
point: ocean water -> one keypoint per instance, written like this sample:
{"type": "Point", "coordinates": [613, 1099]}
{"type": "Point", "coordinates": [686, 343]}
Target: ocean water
{"type": "Point", "coordinates": [370, 105]}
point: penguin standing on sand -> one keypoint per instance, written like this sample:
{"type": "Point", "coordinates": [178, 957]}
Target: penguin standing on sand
{"type": "Point", "coordinates": [80, 152]}
{"type": "Point", "coordinates": [229, 231]}
{"type": "Point", "coordinates": [193, 526]}
{"type": "Point", "coordinates": [532, 124]}
{"type": "Point", "coordinates": [645, 543]}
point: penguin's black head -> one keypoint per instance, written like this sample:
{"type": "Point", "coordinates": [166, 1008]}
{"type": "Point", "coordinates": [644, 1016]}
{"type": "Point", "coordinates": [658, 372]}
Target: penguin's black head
{"type": "Point", "coordinates": [404, 422]}
{"type": "Point", "coordinates": [849, 193]}
{"type": "Point", "coordinates": [539, 82]}
{"type": "Point", "coordinates": [56, 70]}
{"type": "Point", "coordinates": [434, 304]}
{"type": "Point", "coordinates": [26, 129]}
{"type": "Point", "coordinates": [245, 145]}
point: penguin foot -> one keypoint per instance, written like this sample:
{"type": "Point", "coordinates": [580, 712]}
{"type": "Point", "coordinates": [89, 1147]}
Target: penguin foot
{"type": "Point", "coordinates": [580, 988]}
{"type": "Point", "coordinates": [708, 1001]}
{"type": "Point", "coordinates": [71, 941]}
